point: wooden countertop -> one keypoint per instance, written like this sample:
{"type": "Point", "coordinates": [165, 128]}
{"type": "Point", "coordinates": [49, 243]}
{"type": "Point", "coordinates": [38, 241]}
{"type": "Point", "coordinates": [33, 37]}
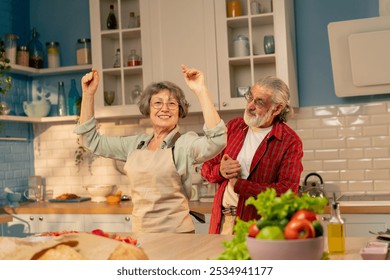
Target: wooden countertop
{"type": "Point", "coordinates": [158, 246]}
{"type": "Point", "coordinates": [88, 207]}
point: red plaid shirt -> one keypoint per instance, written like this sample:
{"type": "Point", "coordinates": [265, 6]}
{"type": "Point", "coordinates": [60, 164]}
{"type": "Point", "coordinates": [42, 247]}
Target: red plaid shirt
{"type": "Point", "coordinates": [276, 164]}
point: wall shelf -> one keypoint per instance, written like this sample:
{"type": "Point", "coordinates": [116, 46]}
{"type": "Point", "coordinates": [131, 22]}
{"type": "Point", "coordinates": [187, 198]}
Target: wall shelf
{"type": "Point", "coordinates": [37, 119]}
{"type": "Point", "coordinates": [32, 72]}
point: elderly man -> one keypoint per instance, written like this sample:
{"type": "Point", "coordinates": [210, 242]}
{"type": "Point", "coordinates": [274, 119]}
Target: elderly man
{"type": "Point", "coordinates": [262, 152]}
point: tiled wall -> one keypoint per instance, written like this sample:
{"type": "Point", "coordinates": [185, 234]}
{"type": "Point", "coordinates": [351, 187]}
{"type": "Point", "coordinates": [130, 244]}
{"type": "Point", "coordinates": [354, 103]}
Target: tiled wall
{"type": "Point", "coordinates": [349, 146]}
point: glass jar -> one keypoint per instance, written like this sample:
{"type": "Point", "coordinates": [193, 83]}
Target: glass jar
{"type": "Point", "coordinates": [83, 52]}
{"type": "Point", "coordinates": [133, 59]}
{"type": "Point", "coordinates": [53, 54]}
{"type": "Point", "coordinates": [136, 94]}
{"type": "Point", "coordinates": [234, 8]}
{"type": "Point", "coordinates": [10, 47]}
{"type": "Point", "coordinates": [241, 45]}
{"type": "Point", "coordinates": [22, 56]}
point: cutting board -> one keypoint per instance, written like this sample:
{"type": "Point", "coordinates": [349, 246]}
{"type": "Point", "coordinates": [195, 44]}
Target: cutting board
{"type": "Point", "coordinates": [80, 199]}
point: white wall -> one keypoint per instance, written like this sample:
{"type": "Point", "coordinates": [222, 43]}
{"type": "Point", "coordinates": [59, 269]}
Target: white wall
{"type": "Point", "coordinates": [348, 145]}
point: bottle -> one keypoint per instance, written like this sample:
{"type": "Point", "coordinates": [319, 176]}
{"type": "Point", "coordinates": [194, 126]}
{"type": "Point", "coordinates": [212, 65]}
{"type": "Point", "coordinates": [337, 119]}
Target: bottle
{"type": "Point", "coordinates": [53, 54]}
{"type": "Point", "coordinates": [111, 19]}
{"type": "Point", "coordinates": [61, 100]}
{"type": "Point", "coordinates": [35, 50]}
{"type": "Point", "coordinates": [133, 22]}
{"type": "Point", "coordinates": [336, 234]}
{"type": "Point", "coordinates": [73, 99]}
{"type": "Point", "coordinates": [133, 58]}
{"type": "Point", "coordinates": [136, 94]}
{"type": "Point", "coordinates": [117, 62]}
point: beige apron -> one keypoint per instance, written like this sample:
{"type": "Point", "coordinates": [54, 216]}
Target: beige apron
{"type": "Point", "coordinates": [159, 204]}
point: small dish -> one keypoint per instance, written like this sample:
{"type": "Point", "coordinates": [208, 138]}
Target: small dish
{"type": "Point", "coordinates": [373, 253]}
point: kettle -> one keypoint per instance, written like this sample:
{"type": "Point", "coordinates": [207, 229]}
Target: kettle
{"type": "Point", "coordinates": [313, 188]}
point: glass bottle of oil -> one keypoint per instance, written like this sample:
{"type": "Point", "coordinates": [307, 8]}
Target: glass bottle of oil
{"type": "Point", "coordinates": [336, 234]}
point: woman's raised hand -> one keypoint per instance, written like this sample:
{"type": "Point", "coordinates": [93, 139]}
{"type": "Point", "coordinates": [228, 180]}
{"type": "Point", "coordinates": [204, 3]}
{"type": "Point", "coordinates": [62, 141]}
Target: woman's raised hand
{"type": "Point", "coordinates": [194, 78]}
{"type": "Point", "coordinates": [89, 83]}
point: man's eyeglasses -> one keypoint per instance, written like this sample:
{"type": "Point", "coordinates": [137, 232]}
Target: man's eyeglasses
{"type": "Point", "coordinates": [172, 105]}
{"type": "Point", "coordinates": [259, 103]}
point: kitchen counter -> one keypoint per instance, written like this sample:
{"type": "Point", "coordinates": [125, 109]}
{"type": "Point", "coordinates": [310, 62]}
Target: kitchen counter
{"type": "Point", "coordinates": [158, 246]}
{"type": "Point", "coordinates": [126, 207]}
{"type": "Point", "coordinates": [88, 207]}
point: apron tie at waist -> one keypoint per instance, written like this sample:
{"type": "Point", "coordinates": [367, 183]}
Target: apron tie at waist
{"type": "Point", "coordinates": [229, 211]}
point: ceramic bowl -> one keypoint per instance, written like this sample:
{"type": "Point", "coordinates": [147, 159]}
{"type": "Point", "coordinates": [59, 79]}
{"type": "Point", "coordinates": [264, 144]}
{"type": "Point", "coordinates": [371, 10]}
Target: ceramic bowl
{"type": "Point", "coordinates": [297, 249]}
{"type": "Point", "coordinates": [99, 192]}
{"type": "Point", "coordinates": [38, 109]}
{"type": "Point", "coordinates": [14, 199]}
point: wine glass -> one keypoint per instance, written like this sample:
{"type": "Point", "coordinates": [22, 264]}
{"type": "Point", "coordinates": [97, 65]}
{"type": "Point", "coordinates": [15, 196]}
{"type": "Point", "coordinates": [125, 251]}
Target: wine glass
{"type": "Point", "coordinates": [109, 97]}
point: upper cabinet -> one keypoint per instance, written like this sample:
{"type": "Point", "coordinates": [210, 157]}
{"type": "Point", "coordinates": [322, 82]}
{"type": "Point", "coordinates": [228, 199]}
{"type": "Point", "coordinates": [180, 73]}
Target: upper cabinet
{"type": "Point", "coordinates": [242, 55]}
{"type": "Point", "coordinates": [199, 34]}
{"type": "Point", "coordinates": [112, 46]}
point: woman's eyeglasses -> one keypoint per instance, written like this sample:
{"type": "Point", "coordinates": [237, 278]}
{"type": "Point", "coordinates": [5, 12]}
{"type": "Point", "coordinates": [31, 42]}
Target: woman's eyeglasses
{"type": "Point", "coordinates": [259, 103]}
{"type": "Point", "coordinates": [172, 105]}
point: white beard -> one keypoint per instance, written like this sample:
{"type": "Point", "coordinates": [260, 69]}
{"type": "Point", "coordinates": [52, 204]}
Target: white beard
{"type": "Point", "coordinates": [257, 120]}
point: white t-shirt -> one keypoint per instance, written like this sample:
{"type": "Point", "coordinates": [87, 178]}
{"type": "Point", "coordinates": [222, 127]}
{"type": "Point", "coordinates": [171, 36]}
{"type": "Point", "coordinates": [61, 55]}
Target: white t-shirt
{"type": "Point", "coordinates": [252, 141]}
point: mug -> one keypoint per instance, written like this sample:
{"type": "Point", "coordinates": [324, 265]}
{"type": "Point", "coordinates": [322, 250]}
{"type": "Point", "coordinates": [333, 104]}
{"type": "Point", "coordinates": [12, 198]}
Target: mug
{"type": "Point", "coordinates": [30, 194]}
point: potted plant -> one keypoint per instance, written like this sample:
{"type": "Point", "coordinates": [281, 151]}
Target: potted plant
{"type": "Point", "coordinates": [5, 81]}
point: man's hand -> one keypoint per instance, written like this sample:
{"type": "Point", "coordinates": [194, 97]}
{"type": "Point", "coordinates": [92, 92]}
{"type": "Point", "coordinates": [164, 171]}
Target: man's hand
{"type": "Point", "coordinates": [229, 168]}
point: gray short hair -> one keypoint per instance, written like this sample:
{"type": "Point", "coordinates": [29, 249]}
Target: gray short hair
{"type": "Point", "coordinates": [154, 88]}
{"type": "Point", "coordinates": [280, 95]}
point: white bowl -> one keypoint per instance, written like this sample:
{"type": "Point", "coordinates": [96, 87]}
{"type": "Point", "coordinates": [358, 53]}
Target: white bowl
{"type": "Point", "coordinates": [296, 249]}
{"type": "Point", "coordinates": [38, 109]}
{"type": "Point", "coordinates": [99, 192]}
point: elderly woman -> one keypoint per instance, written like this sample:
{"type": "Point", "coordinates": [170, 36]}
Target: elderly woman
{"type": "Point", "coordinates": [158, 165]}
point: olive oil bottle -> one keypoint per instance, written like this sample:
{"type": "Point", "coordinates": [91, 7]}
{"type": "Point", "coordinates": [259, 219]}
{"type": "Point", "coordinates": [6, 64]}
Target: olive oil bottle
{"type": "Point", "coordinates": [336, 234]}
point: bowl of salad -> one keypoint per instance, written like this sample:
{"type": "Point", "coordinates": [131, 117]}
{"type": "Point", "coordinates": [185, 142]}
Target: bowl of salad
{"type": "Point", "coordinates": [288, 229]}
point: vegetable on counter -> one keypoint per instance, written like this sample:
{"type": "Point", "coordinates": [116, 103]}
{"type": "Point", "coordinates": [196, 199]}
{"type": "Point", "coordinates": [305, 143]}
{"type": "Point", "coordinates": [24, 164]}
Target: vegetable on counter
{"type": "Point", "coordinates": [288, 216]}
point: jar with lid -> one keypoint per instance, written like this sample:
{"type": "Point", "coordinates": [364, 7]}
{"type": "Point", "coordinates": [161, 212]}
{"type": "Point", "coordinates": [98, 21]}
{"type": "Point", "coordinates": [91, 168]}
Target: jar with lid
{"type": "Point", "coordinates": [22, 56]}
{"type": "Point", "coordinates": [234, 8]}
{"type": "Point", "coordinates": [133, 58]}
{"type": "Point", "coordinates": [10, 47]}
{"type": "Point", "coordinates": [53, 54]}
{"type": "Point", "coordinates": [83, 53]}
{"type": "Point", "coordinates": [241, 45]}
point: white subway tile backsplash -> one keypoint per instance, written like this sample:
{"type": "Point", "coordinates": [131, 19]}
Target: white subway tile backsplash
{"type": "Point", "coordinates": [349, 145]}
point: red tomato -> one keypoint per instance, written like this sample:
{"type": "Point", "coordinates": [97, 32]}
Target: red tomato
{"type": "Point", "coordinates": [99, 232]}
{"type": "Point", "coordinates": [253, 230]}
{"type": "Point", "coordinates": [304, 215]}
{"type": "Point", "coordinates": [299, 229]}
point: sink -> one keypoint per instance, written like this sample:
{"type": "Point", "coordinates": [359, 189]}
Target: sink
{"type": "Point", "coordinates": [365, 199]}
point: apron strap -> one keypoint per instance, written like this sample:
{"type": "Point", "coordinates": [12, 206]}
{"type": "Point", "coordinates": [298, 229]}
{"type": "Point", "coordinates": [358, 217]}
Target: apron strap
{"type": "Point", "coordinates": [174, 139]}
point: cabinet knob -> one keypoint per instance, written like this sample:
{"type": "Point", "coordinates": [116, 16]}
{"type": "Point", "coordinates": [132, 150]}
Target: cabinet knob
{"type": "Point", "coordinates": [127, 218]}
{"type": "Point", "coordinates": [40, 218]}
{"type": "Point", "coordinates": [224, 104]}
{"type": "Point", "coordinates": [31, 218]}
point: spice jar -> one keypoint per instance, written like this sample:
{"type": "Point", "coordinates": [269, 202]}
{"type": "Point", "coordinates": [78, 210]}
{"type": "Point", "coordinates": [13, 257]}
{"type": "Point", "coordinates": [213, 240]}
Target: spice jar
{"type": "Point", "coordinates": [53, 54]}
{"type": "Point", "coordinates": [241, 45]}
{"type": "Point", "coordinates": [83, 53]}
{"type": "Point", "coordinates": [22, 56]}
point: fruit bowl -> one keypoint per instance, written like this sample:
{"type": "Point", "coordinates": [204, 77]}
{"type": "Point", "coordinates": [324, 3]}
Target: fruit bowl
{"type": "Point", "coordinates": [99, 192]}
{"type": "Point", "coordinates": [296, 249]}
